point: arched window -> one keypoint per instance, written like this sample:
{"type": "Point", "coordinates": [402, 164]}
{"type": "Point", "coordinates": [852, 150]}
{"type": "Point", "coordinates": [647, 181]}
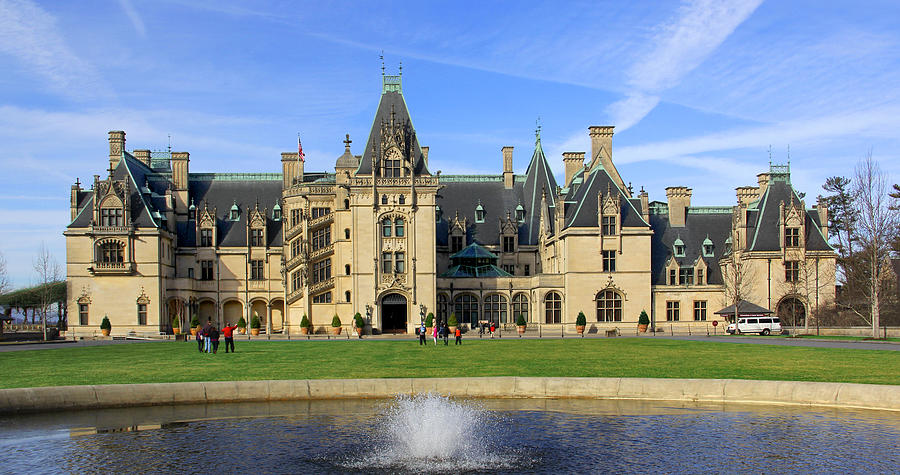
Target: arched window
{"type": "Point", "coordinates": [384, 199]}
{"type": "Point", "coordinates": [346, 233]}
{"type": "Point", "coordinates": [111, 252]}
{"type": "Point", "coordinates": [346, 204]}
{"type": "Point", "coordinates": [402, 199]}
{"type": "Point", "coordinates": [347, 296]}
{"type": "Point", "coordinates": [398, 227]}
{"type": "Point", "coordinates": [609, 306]}
{"type": "Point", "coordinates": [553, 308]}
{"type": "Point", "coordinates": [346, 269]}
{"type": "Point", "coordinates": [520, 306]}
{"type": "Point", "coordinates": [386, 227]}
{"type": "Point", "coordinates": [442, 307]}
{"type": "Point", "coordinates": [495, 308]}
{"type": "Point", "coordinates": [466, 308]}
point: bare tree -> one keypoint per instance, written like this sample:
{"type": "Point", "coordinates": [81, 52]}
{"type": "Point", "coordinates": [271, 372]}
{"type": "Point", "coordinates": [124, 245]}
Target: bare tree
{"type": "Point", "coordinates": [48, 272]}
{"type": "Point", "coordinates": [4, 276]}
{"type": "Point", "coordinates": [736, 271]}
{"type": "Point", "coordinates": [877, 227]}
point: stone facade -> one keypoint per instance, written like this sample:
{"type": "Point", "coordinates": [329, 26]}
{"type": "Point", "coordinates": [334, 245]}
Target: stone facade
{"type": "Point", "coordinates": [385, 237]}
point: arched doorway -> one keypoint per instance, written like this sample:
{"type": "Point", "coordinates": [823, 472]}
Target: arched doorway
{"type": "Point", "coordinates": [393, 313]}
{"type": "Point", "coordinates": [178, 311]}
{"type": "Point", "coordinates": [277, 315]}
{"type": "Point", "coordinates": [206, 311]}
{"type": "Point", "coordinates": [792, 312]}
{"type": "Point", "coordinates": [258, 307]}
{"type": "Point", "coordinates": [232, 311]}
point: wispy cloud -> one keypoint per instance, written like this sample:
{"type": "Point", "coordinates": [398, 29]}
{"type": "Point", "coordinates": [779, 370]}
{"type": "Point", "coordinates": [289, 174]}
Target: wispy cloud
{"type": "Point", "coordinates": [32, 36]}
{"type": "Point", "coordinates": [679, 46]}
{"type": "Point", "coordinates": [135, 18]}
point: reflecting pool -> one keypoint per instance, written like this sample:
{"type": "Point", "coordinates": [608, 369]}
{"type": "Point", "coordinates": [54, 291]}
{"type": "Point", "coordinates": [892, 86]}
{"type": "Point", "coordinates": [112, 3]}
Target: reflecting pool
{"type": "Point", "coordinates": [431, 434]}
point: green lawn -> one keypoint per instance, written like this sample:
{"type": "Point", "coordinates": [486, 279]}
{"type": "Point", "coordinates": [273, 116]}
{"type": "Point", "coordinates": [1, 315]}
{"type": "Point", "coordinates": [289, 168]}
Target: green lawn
{"type": "Point", "coordinates": [625, 357]}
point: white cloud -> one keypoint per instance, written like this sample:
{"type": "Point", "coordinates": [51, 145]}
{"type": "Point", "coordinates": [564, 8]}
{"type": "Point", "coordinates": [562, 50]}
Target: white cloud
{"type": "Point", "coordinates": [631, 110]}
{"type": "Point", "coordinates": [31, 35]}
{"type": "Point", "coordinates": [136, 20]}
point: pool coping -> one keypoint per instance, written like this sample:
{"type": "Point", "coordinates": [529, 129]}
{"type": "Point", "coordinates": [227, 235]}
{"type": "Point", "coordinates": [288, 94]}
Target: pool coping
{"type": "Point", "coordinates": [795, 393]}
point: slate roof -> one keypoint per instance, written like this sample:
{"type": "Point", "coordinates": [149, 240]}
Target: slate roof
{"type": "Point", "coordinates": [538, 180]}
{"type": "Point", "coordinates": [221, 194]}
{"type": "Point", "coordinates": [765, 235]}
{"type": "Point", "coordinates": [581, 202]}
{"type": "Point", "coordinates": [746, 308]}
{"type": "Point", "coordinates": [698, 226]}
{"type": "Point", "coordinates": [463, 196]}
{"type": "Point", "coordinates": [391, 101]}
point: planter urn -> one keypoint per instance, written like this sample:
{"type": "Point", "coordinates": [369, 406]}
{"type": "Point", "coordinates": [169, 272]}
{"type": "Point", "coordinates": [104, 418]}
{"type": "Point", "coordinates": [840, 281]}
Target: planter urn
{"type": "Point", "coordinates": [521, 328]}
{"type": "Point", "coordinates": [105, 332]}
{"type": "Point", "coordinates": [336, 330]}
{"type": "Point", "coordinates": [642, 327]}
{"type": "Point", "coordinates": [254, 331]}
{"type": "Point", "coordinates": [580, 329]}
{"type": "Point", "coordinates": [304, 330]}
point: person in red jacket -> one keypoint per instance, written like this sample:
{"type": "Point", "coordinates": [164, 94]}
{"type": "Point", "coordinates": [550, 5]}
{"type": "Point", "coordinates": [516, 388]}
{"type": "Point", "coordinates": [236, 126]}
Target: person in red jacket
{"type": "Point", "coordinates": [228, 333]}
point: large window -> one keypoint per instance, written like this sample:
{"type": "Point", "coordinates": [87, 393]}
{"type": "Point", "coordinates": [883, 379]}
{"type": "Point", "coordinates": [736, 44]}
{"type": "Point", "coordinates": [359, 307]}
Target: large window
{"type": "Point", "coordinates": [609, 306]}
{"type": "Point", "coordinates": [111, 253]}
{"type": "Point", "coordinates": [321, 238]}
{"type": "Point", "coordinates": [792, 271]}
{"type": "Point", "coordinates": [256, 237]}
{"type": "Point", "coordinates": [295, 248]}
{"type": "Point", "coordinates": [495, 308]}
{"type": "Point", "coordinates": [465, 307]}
{"type": "Point", "coordinates": [295, 217]}
{"type": "Point", "coordinates": [791, 237]}
{"type": "Point", "coordinates": [686, 276]}
{"type": "Point", "coordinates": [553, 308]}
{"type": "Point", "coordinates": [82, 314]}
{"type": "Point", "coordinates": [321, 271]}
{"type": "Point", "coordinates": [319, 212]}
{"type": "Point", "coordinates": [608, 225]}
{"type": "Point", "coordinates": [386, 229]}
{"type": "Point", "coordinates": [206, 270]}
{"type": "Point", "coordinates": [398, 227]}
{"type": "Point", "coordinates": [296, 281]}
{"type": "Point", "coordinates": [700, 310]}
{"type": "Point", "coordinates": [609, 261]}
{"type": "Point", "coordinates": [142, 313]}
{"type": "Point", "coordinates": [386, 262]}
{"type": "Point", "coordinates": [672, 311]}
{"type": "Point", "coordinates": [256, 269]}
{"type": "Point", "coordinates": [509, 244]}
{"type": "Point", "coordinates": [112, 217]}
{"type": "Point", "coordinates": [400, 262]}
{"type": "Point", "coordinates": [322, 298]}
{"type": "Point", "coordinates": [456, 243]}
{"type": "Point", "coordinates": [391, 166]}
{"type": "Point", "coordinates": [520, 306]}
{"type": "Point", "coordinates": [206, 237]}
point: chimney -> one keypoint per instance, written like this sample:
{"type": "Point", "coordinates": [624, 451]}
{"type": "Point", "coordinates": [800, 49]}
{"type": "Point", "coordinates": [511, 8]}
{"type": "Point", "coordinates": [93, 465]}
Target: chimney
{"type": "Point", "coordinates": [763, 180]}
{"type": "Point", "coordinates": [425, 155]}
{"type": "Point", "coordinates": [645, 206]}
{"type": "Point", "coordinates": [180, 168]}
{"type": "Point", "coordinates": [573, 161]}
{"type": "Point", "coordinates": [679, 198]}
{"type": "Point", "coordinates": [747, 194]}
{"type": "Point", "coordinates": [507, 167]}
{"type": "Point", "coordinates": [143, 156]}
{"type": "Point", "coordinates": [73, 199]}
{"type": "Point", "coordinates": [601, 152]}
{"type": "Point", "coordinates": [291, 169]}
{"type": "Point", "coordinates": [116, 147]}
{"type": "Point", "coordinates": [822, 208]}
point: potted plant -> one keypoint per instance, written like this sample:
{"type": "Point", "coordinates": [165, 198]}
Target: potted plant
{"type": "Point", "coordinates": [242, 325]}
{"type": "Point", "coordinates": [254, 324]}
{"type": "Point", "coordinates": [305, 325]}
{"type": "Point", "coordinates": [643, 322]}
{"type": "Point", "coordinates": [521, 324]}
{"type": "Point", "coordinates": [105, 327]}
{"type": "Point", "coordinates": [429, 324]}
{"type": "Point", "coordinates": [336, 325]}
{"type": "Point", "coordinates": [580, 323]}
{"type": "Point", "coordinates": [195, 325]}
{"type": "Point", "coordinates": [452, 322]}
{"type": "Point", "coordinates": [176, 326]}
{"type": "Point", "coordinates": [359, 324]}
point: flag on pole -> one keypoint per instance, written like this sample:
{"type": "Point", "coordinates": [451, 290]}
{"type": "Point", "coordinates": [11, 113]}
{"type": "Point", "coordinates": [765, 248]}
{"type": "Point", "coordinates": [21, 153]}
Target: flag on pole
{"type": "Point", "coordinates": [300, 155]}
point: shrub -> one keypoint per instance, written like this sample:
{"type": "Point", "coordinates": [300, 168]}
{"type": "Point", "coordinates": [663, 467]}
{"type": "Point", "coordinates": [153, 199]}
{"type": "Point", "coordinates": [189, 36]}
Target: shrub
{"type": "Point", "coordinates": [195, 322]}
{"type": "Point", "coordinates": [175, 322]}
{"type": "Point", "coordinates": [358, 320]}
{"type": "Point", "coordinates": [580, 320]}
{"type": "Point", "coordinates": [452, 322]}
{"type": "Point", "coordinates": [429, 320]}
{"type": "Point", "coordinates": [254, 321]}
{"type": "Point", "coordinates": [105, 325]}
{"type": "Point", "coordinates": [304, 322]}
{"type": "Point", "coordinates": [336, 321]}
{"type": "Point", "coordinates": [520, 321]}
{"type": "Point", "coordinates": [242, 323]}
{"type": "Point", "coordinates": [643, 319]}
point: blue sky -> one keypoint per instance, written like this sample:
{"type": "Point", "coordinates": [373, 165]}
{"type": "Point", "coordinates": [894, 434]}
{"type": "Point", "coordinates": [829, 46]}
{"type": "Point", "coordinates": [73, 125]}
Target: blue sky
{"type": "Point", "coordinates": [697, 90]}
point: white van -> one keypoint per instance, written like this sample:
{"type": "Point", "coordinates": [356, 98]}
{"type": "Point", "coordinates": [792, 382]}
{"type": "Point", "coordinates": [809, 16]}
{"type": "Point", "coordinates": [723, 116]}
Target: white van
{"type": "Point", "coordinates": [761, 325]}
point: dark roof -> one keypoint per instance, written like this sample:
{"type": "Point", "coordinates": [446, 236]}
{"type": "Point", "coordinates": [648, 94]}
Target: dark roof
{"type": "Point", "coordinates": [765, 221]}
{"type": "Point", "coordinates": [464, 194]}
{"type": "Point", "coordinates": [391, 103]}
{"type": "Point", "coordinates": [699, 225]}
{"type": "Point", "coordinates": [581, 202]}
{"type": "Point", "coordinates": [221, 194]}
{"type": "Point", "coordinates": [746, 308]}
{"type": "Point", "coordinates": [539, 181]}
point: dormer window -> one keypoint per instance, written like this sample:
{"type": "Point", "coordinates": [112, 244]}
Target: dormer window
{"type": "Point", "coordinates": [520, 214]}
{"type": "Point", "coordinates": [256, 237]}
{"type": "Point", "coordinates": [438, 214]}
{"type": "Point", "coordinates": [276, 213]}
{"type": "Point", "coordinates": [191, 210]}
{"type": "Point", "coordinates": [728, 245]}
{"type": "Point", "coordinates": [479, 213]}
{"type": "Point", "coordinates": [791, 237]}
{"type": "Point", "coordinates": [235, 213]}
{"type": "Point", "coordinates": [678, 248]}
{"type": "Point", "coordinates": [112, 217]}
{"type": "Point", "coordinates": [708, 248]}
{"type": "Point", "coordinates": [391, 164]}
{"type": "Point", "coordinates": [608, 225]}
{"type": "Point", "coordinates": [206, 237]}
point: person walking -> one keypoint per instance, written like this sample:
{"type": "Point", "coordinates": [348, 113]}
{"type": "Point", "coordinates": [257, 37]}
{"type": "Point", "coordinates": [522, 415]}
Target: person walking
{"type": "Point", "coordinates": [214, 337]}
{"type": "Point", "coordinates": [434, 333]}
{"type": "Point", "coordinates": [458, 336]}
{"type": "Point", "coordinates": [207, 343]}
{"type": "Point", "coordinates": [493, 327]}
{"type": "Point", "coordinates": [445, 332]}
{"type": "Point", "coordinates": [422, 335]}
{"type": "Point", "coordinates": [228, 333]}
{"type": "Point", "coordinates": [200, 340]}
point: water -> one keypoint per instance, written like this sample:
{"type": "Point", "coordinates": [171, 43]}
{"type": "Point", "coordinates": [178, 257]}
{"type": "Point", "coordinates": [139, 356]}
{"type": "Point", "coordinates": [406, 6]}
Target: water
{"type": "Point", "coordinates": [431, 434]}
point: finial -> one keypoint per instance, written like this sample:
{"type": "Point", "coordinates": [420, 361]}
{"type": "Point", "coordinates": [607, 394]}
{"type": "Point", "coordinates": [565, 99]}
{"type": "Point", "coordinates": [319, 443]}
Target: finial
{"type": "Point", "coordinates": [382, 62]}
{"type": "Point", "coordinates": [77, 183]}
{"type": "Point", "coordinates": [770, 156]}
{"type": "Point", "coordinates": [401, 68]}
{"type": "Point", "coordinates": [347, 143]}
{"type": "Point", "coordinates": [630, 188]}
{"type": "Point", "coordinates": [537, 129]}
{"type": "Point", "coordinates": [789, 155]}
{"type": "Point", "coordinates": [170, 143]}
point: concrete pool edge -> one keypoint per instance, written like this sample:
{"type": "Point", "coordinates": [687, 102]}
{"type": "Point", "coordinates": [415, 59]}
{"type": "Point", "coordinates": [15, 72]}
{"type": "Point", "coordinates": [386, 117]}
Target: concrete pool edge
{"type": "Point", "coordinates": [796, 393]}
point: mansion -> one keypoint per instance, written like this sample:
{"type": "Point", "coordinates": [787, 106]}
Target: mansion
{"type": "Point", "coordinates": [151, 242]}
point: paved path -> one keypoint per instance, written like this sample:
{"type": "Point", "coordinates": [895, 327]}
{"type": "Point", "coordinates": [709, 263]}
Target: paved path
{"type": "Point", "coordinates": [807, 342]}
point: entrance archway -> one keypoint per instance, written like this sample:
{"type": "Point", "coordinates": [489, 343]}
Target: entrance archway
{"type": "Point", "coordinates": [792, 312]}
{"type": "Point", "coordinates": [207, 311]}
{"type": "Point", "coordinates": [393, 313]}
